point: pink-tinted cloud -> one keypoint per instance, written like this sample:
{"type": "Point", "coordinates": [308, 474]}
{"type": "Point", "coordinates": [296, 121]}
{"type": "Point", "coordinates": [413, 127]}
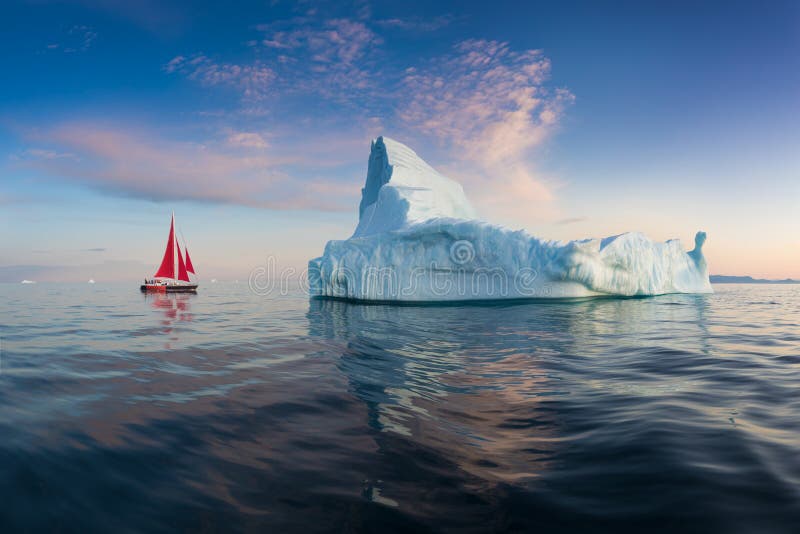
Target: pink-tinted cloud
{"type": "Point", "coordinates": [481, 110]}
{"type": "Point", "coordinates": [42, 154]}
{"type": "Point", "coordinates": [331, 58]}
{"type": "Point", "coordinates": [238, 169]}
{"type": "Point", "coordinates": [486, 106]}
{"type": "Point", "coordinates": [246, 140]}
{"type": "Point", "coordinates": [490, 107]}
{"type": "Point", "coordinates": [254, 81]}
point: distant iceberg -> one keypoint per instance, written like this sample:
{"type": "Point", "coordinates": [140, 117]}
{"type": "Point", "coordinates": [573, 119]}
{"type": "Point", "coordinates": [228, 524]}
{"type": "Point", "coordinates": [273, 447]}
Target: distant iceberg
{"type": "Point", "coordinates": [419, 239]}
{"type": "Point", "coordinates": [28, 282]}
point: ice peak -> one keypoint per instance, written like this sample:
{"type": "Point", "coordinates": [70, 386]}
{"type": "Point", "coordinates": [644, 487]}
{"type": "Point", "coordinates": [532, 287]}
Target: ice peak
{"type": "Point", "coordinates": [402, 189]}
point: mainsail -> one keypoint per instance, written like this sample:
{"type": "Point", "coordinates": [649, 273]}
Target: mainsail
{"type": "Point", "coordinates": [167, 269]}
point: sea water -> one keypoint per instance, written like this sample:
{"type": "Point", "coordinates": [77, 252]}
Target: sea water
{"type": "Point", "coordinates": [234, 411]}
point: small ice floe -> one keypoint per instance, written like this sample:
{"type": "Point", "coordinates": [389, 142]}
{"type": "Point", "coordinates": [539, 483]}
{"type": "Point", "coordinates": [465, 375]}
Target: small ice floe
{"type": "Point", "coordinates": [91, 281]}
{"type": "Point", "coordinates": [28, 282]}
{"type": "Point", "coordinates": [372, 492]}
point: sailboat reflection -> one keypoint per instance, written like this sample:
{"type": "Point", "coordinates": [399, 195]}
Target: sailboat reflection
{"type": "Point", "coordinates": [175, 308]}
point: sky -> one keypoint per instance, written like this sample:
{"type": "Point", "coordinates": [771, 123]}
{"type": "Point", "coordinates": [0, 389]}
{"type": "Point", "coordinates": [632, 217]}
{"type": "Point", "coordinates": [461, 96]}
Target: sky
{"type": "Point", "coordinates": [253, 121]}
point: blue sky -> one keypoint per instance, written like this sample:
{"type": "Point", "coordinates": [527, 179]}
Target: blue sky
{"type": "Point", "coordinates": [252, 121]}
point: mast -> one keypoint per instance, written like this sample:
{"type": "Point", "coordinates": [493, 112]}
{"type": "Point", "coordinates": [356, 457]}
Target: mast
{"type": "Point", "coordinates": [174, 244]}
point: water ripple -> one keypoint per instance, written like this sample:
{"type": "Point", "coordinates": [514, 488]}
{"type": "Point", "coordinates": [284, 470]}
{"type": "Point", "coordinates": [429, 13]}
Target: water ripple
{"type": "Point", "coordinates": [230, 411]}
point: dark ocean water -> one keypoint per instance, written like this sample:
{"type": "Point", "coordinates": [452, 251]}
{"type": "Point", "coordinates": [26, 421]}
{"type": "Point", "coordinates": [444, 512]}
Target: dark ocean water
{"type": "Point", "coordinates": [229, 411]}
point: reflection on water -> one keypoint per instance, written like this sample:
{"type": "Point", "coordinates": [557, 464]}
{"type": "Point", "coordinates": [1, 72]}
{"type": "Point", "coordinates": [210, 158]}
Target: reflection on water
{"type": "Point", "coordinates": [479, 383]}
{"type": "Point", "coordinates": [175, 308]}
{"type": "Point", "coordinates": [461, 389]}
{"type": "Point", "coordinates": [228, 411]}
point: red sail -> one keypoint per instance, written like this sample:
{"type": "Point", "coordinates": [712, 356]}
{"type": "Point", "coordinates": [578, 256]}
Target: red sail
{"type": "Point", "coordinates": [182, 274]}
{"type": "Point", "coordinates": [189, 266]}
{"type": "Point", "coordinates": [167, 269]}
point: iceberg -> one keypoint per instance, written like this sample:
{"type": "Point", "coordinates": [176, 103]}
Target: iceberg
{"type": "Point", "coordinates": [418, 239]}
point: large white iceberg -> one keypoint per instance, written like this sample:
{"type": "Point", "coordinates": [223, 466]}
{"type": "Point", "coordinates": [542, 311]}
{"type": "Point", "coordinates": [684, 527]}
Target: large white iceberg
{"type": "Point", "coordinates": [419, 239]}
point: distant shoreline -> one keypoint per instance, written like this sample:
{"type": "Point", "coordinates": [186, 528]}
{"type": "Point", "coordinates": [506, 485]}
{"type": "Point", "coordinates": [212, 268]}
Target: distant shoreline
{"type": "Point", "coordinates": [724, 279]}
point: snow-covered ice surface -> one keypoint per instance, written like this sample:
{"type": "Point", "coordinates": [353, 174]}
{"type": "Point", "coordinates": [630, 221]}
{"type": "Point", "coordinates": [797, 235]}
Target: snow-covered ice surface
{"type": "Point", "coordinates": [418, 239]}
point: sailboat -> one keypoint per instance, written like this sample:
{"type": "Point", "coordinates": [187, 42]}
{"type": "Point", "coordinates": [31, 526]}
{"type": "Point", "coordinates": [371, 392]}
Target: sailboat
{"type": "Point", "coordinates": [173, 274]}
